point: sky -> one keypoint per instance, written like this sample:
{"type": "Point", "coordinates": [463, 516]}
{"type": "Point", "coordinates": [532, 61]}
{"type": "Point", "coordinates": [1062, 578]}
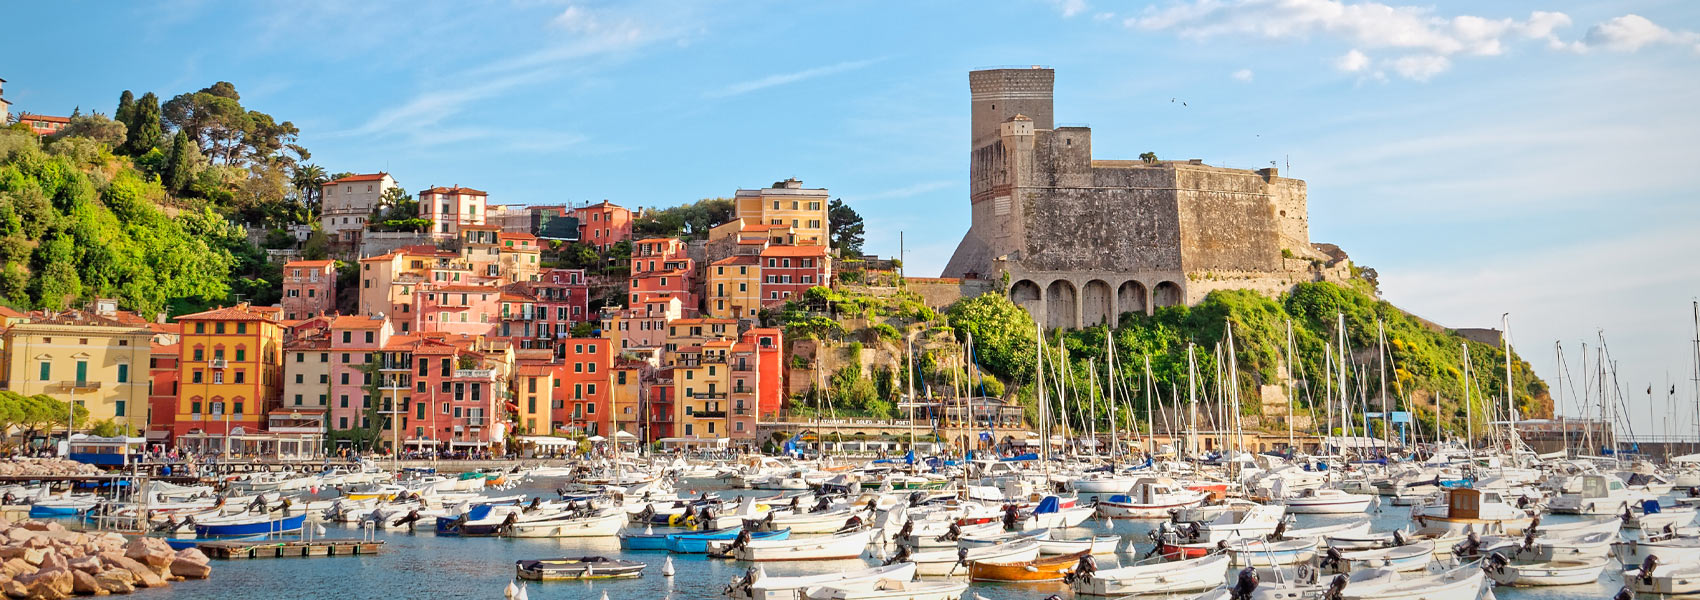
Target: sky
{"type": "Point", "coordinates": [1529, 158]}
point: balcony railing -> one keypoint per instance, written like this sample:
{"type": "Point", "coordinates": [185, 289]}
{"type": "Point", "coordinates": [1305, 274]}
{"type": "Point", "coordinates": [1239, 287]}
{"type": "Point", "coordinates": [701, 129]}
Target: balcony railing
{"type": "Point", "coordinates": [709, 395]}
{"type": "Point", "coordinates": [476, 421]}
{"type": "Point", "coordinates": [710, 414]}
{"type": "Point", "coordinates": [83, 385]}
{"type": "Point", "coordinates": [474, 373]}
{"type": "Point", "coordinates": [217, 363]}
{"type": "Point", "coordinates": [661, 418]}
{"type": "Point", "coordinates": [742, 412]}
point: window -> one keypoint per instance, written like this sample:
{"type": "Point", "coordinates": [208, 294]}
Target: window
{"type": "Point", "coordinates": [218, 327]}
{"type": "Point", "coordinates": [241, 354]}
{"type": "Point", "coordinates": [82, 371]}
{"type": "Point", "coordinates": [239, 376]}
{"type": "Point", "coordinates": [198, 355]}
{"type": "Point", "coordinates": [195, 377]}
{"type": "Point", "coordinates": [200, 327]}
{"type": "Point", "coordinates": [347, 337]}
{"type": "Point", "coordinates": [46, 371]}
{"type": "Point", "coordinates": [118, 408]}
{"type": "Point", "coordinates": [218, 376]}
{"type": "Point", "coordinates": [123, 373]}
{"type": "Point", "coordinates": [241, 328]}
{"type": "Point", "coordinates": [298, 399]}
{"type": "Point", "coordinates": [324, 357]}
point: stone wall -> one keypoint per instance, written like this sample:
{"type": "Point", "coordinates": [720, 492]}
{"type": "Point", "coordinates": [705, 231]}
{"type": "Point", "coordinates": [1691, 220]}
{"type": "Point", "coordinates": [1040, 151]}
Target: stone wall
{"type": "Point", "coordinates": [941, 293]}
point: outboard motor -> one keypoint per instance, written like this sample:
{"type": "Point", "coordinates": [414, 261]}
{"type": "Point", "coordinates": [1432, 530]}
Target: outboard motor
{"type": "Point", "coordinates": [917, 497]}
{"type": "Point", "coordinates": [259, 504]}
{"type": "Point", "coordinates": [1496, 563]}
{"type": "Point", "coordinates": [796, 503]}
{"type": "Point", "coordinates": [1648, 565]}
{"type": "Point", "coordinates": [851, 524]}
{"type": "Point", "coordinates": [188, 523]}
{"type": "Point", "coordinates": [508, 523]}
{"type": "Point", "coordinates": [1331, 560]}
{"type": "Point", "coordinates": [873, 505]}
{"type": "Point", "coordinates": [953, 534]}
{"type": "Point", "coordinates": [1011, 516]}
{"type": "Point", "coordinates": [1336, 588]}
{"type": "Point", "coordinates": [409, 519]}
{"type": "Point", "coordinates": [907, 530]}
{"type": "Point", "coordinates": [1280, 530]}
{"type": "Point", "coordinates": [1624, 594]}
{"type": "Point", "coordinates": [961, 557]}
{"type": "Point", "coordinates": [169, 524]}
{"type": "Point", "coordinates": [742, 540]}
{"type": "Point", "coordinates": [901, 555]}
{"type": "Point", "coordinates": [535, 504]}
{"type": "Point", "coordinates": [1083, 570]}
{"type": "Point", "coordinates": [1244, 585]}
{"type": "Point", "coordinates": [822, 504]}
{"type": "Point", "coordinates": [1399, 538]}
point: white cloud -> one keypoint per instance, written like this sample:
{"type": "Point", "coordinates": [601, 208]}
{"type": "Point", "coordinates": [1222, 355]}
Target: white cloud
{"type": "Point", "coordinates": [785, 78]}
{"type": "Point", "coordinates": [1243, 75]}
{"type": "Point", "coordinates": [1352, 62]}
{"type": "Point", "coordinates": [1070, 8]}
{"type": "Point", "coordinates": [1420, 67]}
{"type": "Point", "coordinates": [1631, 32]}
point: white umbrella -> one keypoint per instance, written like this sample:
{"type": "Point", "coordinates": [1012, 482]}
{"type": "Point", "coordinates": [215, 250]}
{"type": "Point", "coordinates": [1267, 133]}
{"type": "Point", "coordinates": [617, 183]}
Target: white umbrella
{"type": "Point", "coordinates": [597, 438]}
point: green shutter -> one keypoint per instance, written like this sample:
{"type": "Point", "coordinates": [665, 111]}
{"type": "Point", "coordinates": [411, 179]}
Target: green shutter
{"type": "Point", "coordinates": [46, 371]}
{"type": "Point", "coordinates": [123, 374]}
{"type": "Point", "coordinates": [82, 370]}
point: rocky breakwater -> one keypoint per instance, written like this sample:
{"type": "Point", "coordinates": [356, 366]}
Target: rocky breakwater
{"type": "Point", "coordinates": [45, 467]}
{"type": "Point", "coordinates": [43, 560]}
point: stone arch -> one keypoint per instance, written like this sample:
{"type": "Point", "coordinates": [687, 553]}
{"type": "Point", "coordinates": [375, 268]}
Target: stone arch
{"type": "Point", "coordinates": [1062, 304]}
{"type": "Point", "coordinates": [1097, 304]}
{"type": "Point", "coordinates": [1167, 293]}
{"type": "Point", "coordinates": [1132, 297]}
{"type": "Point", "coordinates": [1026, 294]}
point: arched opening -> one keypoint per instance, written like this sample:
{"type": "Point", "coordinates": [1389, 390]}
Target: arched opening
{"type": "Point", "coordinates": [1167, 293]}
{"type": "Point", "coordinates": [1025, 294]}
{"type": "Point", "coordinates": [1096, 307]}
{"type": "Point", "coordinates": [1060, 302]}
{"type": "Point", "coordinates": [1132, 297]}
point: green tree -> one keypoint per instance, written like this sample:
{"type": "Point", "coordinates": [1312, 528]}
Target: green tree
{"type": "Point", "coordinates": [846, 228]}
{"type": "Point", "coordinates": [144, 132]}
{"type": "Point", "coordinates": [309, 180]}
{"type": "Point", "coordinates": [184, 158]}
{"type": "Point", "coordinates": [95, 127]}
{"type": "Point", "coordinates": [1148, 157]}
{"type": "Point", "coordinates": [126, 108]}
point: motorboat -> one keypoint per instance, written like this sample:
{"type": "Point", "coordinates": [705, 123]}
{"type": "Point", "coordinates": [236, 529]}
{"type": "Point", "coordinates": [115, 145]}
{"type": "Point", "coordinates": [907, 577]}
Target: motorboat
{"type": "Point", "coordinates": [1670, 549]}
{"type": "Point", "coordinates": [843, 545]}
{"type": "Point", "coordinates": [1654, 578]}
{"type": "Point", "coordinates": [1261, 553]}
{"type": "Point", "coordinates": [1594, 494]}
{"type": "Point", "coordinates": [889, 589]}
{"type": "Point", "coordinates": [585, 567]}
{"type": "Point", "coordinates": [1354, 527]}
{"type": "Point", "coordinates": [597, 524]}
{"type": "Point", "coordinates": [1049, 568]}
{"type": "Point", "coordinates": [698, 543]}
{"type": "Point", "coordinates": [947, 562]}
{"type": "Point", "coordinates": [758, 585]}
{"type": "Point", "coordinates": [1103, 544]}
{"type": "Point", "coordinates": [1649, 514]}
{"type": "Point", "coordinates": [1192, 575]}
{"type": "Point", "coordinates": [1412, 557]}
{"type": "Point", "coordinates": [1549, 548]}
{"type": "Point", "coordinates": [1326, 501]}
{"type": "Point", "coordinates": [1504, 571]}
{"type": "Point", "coordinates": [247, 525]}
{"type": "Point", "coordinates": [1150, 498]}
{"type": "Point", "coordinates": [1482, 511]}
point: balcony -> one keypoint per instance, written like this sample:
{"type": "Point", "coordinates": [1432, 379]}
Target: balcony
{"type": "Point", "coordinates": [395, 367]}
{"type": "Point", "coordinates": [83, 385]}
{"type": "Point", "coordinates": [710, 414]}
{"type": "Point", "coordinates": [741, 412]}
{"type": "Point", "coordinates": [474, 373]}
{"type": "Point", "coordinates": [217, 363]}
{"type": "Point", "coordinates": [709, 395]}
{"type": "Point", "coordinates": [667, 418]}
{"type": "Point", "coordinates": [477, 421]}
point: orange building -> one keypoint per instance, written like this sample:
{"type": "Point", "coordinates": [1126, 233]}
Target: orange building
{"type": "Point", "coordinates": [603, 224]}
{"type": "Point", "coordinates": [230, 372]}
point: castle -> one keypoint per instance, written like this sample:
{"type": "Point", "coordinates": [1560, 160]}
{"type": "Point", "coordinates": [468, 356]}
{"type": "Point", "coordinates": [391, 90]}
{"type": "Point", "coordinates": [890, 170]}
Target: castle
{"type": "Point", "coordinates": [1083, 240]}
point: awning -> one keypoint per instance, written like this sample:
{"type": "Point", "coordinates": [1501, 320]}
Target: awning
{"type": "Point", "coordinates": [597, 438]}
{"type": "Point", "coordinates": [623, 435]}
{"type": "Point", "coordinates": [545, 440]}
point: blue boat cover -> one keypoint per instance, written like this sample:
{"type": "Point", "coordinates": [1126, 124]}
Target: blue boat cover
{"type": "Point", "coordinates": [1049, 505]}
{"type": "Point", "coordinates": [1020, 457]}
{"type": "Point", "coordinates": [1122, 498]}
{"type": "Point", "coordinates": [1650, 507]}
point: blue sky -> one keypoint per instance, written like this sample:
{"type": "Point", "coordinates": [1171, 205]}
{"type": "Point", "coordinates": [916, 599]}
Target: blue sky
{"type": "Point", "coordinates": [1498, 157]}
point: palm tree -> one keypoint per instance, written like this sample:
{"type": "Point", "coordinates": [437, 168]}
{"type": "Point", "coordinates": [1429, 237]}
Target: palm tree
{"type": "Point", "coordinates": [307, 179]}
{"type": "Point", "coordinates": [1148, 157]}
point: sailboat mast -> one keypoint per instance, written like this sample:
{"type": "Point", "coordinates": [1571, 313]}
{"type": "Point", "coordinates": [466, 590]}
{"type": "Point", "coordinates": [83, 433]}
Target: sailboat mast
{"type": "Point", "coordinates": [1150, 430]}
{"type": "Point", "coordinates": [1192, 399]}
{"type": "Point", "coordinates": [1110, 392]}
{"type": "Point", "coordinates": [1287, 357]}
{"type": "Point", "coordinates": [1044, 404]}
{"type": "Point", "coordinates": [1510, 396]}
{"type": "Point", "coordinates": [1386, 411]}
{"type": "Point", "coordinates": [1469, 409]}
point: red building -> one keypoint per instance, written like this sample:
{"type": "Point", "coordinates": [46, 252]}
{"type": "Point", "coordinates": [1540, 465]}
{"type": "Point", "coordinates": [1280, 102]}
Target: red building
{"type": "Point", "coordinates": [539, 314]}
{"type": "Point", "coordinates": [603, 224]}
{"type": "Point", "coordinates": [585, 372]}
{"type": "Point", "coordinates": [790, 270]}
{"type": "Point", "coordinates": [444, 405]}
{"type": "Point", "coordinates": [660, 265]}
{"type": "Point", "coordinates": [44, 124]}
{"type": "Point", "coordinates": [770, 369]}
{"type": "Point", "coordinates": [309, 288]}
{"type": "Point", "coordinates": [162, 393]}
{"type": "Point", "coordinates": [658, 409]}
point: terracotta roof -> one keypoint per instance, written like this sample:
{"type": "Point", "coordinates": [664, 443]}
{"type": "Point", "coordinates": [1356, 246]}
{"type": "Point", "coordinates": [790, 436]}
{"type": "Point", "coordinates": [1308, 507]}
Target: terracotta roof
{"type": "Point", "coordinates": [240, 312]}
{"type": "Point", "coordinates": [53, 119]}
{"type": "Point", "coordinates": [515, 235]}
{"type": "Point", "coordinates": [534, 370]}
{"type": "Point", "coordinates": [357, 322]}
{"type": "Point", "coordinates": [655, 241]}
{"type": "Point", "coordinates": [379, 176]}
{"type": "Point", "coordinates": [381, 257]}
{"type": "Point", "coordinates": [704, 321]}
{"type": "Point", "coordinates": [171, 328]}
{"type": "Point", "coordinates": [166, 348]}
{"type": "Point", "coordinates": [454, 190]}
{"type": "Point", "coordinates": [9, 313]}
{"type": "Point", "coordinates": [804, 251]}
{"type": "Point", "coordinates": [742, 259]}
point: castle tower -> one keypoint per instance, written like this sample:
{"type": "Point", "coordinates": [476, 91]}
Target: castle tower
{"type": "Point", "coordinates": [999, 94]}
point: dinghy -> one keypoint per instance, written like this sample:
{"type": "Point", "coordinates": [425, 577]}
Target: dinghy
{"type": "Point", "coordinates": [1657, 579]}
{"type": "Point", "coordinates": [1504, 571]}
{"type": "Point", "coordinates": [1103, 544]}
{"type": "Point", "coordinates": [843, 545]}
{"type": "Point", "coordinates": [586, 567]}
{"type": "Point", "coordinates": [956, 562]}
{"type": "Point", "coordinates": [757, 585]}
{"type": "Point", "coordinates": [1051, 568]}
{"type": "Point", "coordinates": [889, 589]}
{"type": "Point", "coordinates": [1192, 575]}
{"type": "Point", "coordinates": [605, 523]}
{"type": "Point", "coordinates": [1326, 502]}
{"type": "Point", "coordinates": [1260, 553]}
{"type": "Point", "coordinates": [697, 543]}
{"type": "Point", "coordinates": [1413, 557]}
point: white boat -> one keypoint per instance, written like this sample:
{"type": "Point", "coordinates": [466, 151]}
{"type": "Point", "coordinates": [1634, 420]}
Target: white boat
{"type": "Point", "coordinates": [1326, 501]}
{"type": "Point", "coordinates": [1103, 544]}
{"type": "Point", "coordinates": [605, 523]}
{"type": "Point", "coordinates": [844, 545]}
{"type": "Point", "coordinates": [1462, 583]}
{"type": "Point", "coordinates": [1482, 511]}
{"type": "Point", "coordinates": [1260, 553]}
{"type": "Point", "coordinates": [758, 585]}
{"type": "Point", "coordinates": [1531, 574]}
{"type": "Point", "coordinates": [1413, 557]}
{"type": "Point", "coordinates": [1593, 494]}
{"type": "Point", "coordinates": [1355, 527]}
{"type": "Point", "coordinates": [889, 589]}
{"type": "Point", "coordinates": [1193, 575]}
{"type": "Point", "coordinates": [1553, 548]}
{"type": "Point", "coordinates": [936, 534]}
{"type": "Point", "coordinates": [1002, 538]}
{"type": "Point", "coordinates": [1657, 579]}
{"type": "Point", "coordinates": [948, 562]}
{"type": "Point", "coordinates": [1237, 520]}
{"type": "Point", "coordinates": [1150, 498]}
{"type": "Point", "coordinates": [1103, 483]}
{"type": "Point", "coordinates": [808, 522]}
{"type": "Point", "coordinates": [1650, 515]}
{"type": "Point", "coordinates": [1671, 550]}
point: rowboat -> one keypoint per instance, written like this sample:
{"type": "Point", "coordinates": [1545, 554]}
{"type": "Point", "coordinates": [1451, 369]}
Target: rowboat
{"type": "Point", "coordinates": [947, 562]}
{"type": "Point", "coordinates": [649, 540]}
{"type": "Point", "coordinates": [244, 524]}
{"type": "Point", "coordinates": [1103, 544]}
{"type": "Point", "coordinates": [1564, 572]}
{"type": "Point", "coordinates": [586, 567]}
{"type": "Point", "coordinates": [1193, 575]}
{"type": "Point", "coordinates": [925, 538]}
{"type": "Point", "coordinates": [63, 507]}
{"type": "Point", "coordinates": [697, 543]}
{"type": "Point", "coordinates": [821, 522]}
{"type": "Point", "coordinates": [1002, 538]}
{"type": "Point", "coordinates": [1462, 583]}
{"type": "Point", "coordinates": [1671, 550]}
{"type": "Point", "coordinates": [757, 585]}
{"type": "Point", "coordinates": [1551, 548]}
{"type": "Point", "coordinates": [605, 523]}
{"type": "Point", "coordinates": [1327, 502]}
{"type": "Point", "coordinates": [1398, 558]}
{"type": "Point", "coordinates": [1260, 553]}
{"type": "Point", "coordinates": [1356, 527]}
{"type": "Point", "coordinates": [1656, 579]}
{"type": "Point", "coordinates": [844, 545]}
{"type": "Point", "coordinates": [889, 589]}
{"type": "Point", "coordinates": [1051, 568]}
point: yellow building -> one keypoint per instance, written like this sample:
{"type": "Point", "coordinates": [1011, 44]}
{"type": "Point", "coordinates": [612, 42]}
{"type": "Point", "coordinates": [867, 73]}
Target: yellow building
{"type": "Point", "coordinates": [97, 361]}
{"type": "Point", "coordinates": [700, 384]}
{"type": "Point", "coordinates": [684, 333]}
{"type": "Point", "coordinates": [788, 203]}
{"type": "Point", "coordinates": [626, 393]}
{"type": "Point", "coordinates": [535, 388]}
{"type": "Point", "coordinates": [519, 252]}
{"type": "Point", "coordinates": [230, 370]}
{"type": "Point", "coordinates": [734, 287]}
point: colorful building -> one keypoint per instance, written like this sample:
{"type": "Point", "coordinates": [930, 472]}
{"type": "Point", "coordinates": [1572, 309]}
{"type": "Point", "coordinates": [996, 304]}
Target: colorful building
{"type": "Point", "coordinates": [309, 288]}
{"type": "Point", "coordinates": [662, 265]}
{"type": "Point", "coordinates": [230, 373]}
{"type": "Point", "coordinates": [355, 341]}
{"type": "Point", "coordinates": [789, 271]}
{"type": "Point", "coordinates": [44, 124]}
{"type": "Point", "coordinates": [448, 208]}
{"type": "Point", "coordinates": [603, 224]}
{"type": "Point", "coordinates": [162, 392]}
{"type": "Point", "coordinates": [734, 288]}
{"type": "Point", "coordinates": [96, 361]}
{"type": "Point", "coordinates": [701, 381]}
{"type": "Point", "coordinates": [584, 372]}
{"type": "Point", "coordinates": [346, 203]}
{"type": "Point", "coordinates": [472, 310]}
{"type": "Point", "coordinates": [788, 203]}
{"type": "Point", "coordinates": [519, 252]}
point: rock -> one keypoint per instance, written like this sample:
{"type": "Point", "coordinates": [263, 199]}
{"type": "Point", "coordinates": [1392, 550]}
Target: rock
{"type": "Point", "coordinates": [51, 583]}
{"type": "Point", "coordinates": [33, 556]}
{"type": "Point", "coordinates": [38, 525]}
{"type": "Point", "coordinates": [83, 583]}
{"type": "Point", "coordinates": [87, 564]}
{"type": "Point", "coordinates": [53, 560]}
{"type": "Point", "coordinates": [191, 563]}
{"type": "Point", "coordinates": [17, 535]}
{"type": "Point", "coordinates": [14, 589]}
{"type": "Point", "coordinates": [145, 575]}
{"type": "Point", "coordinates": [153, 552]}
{"type": "Point", "coordinates": [14, 567]}
{"type": "Point", "coordinates": [116, 581]}
{"type": "Point", "coordinates": [36, 542]}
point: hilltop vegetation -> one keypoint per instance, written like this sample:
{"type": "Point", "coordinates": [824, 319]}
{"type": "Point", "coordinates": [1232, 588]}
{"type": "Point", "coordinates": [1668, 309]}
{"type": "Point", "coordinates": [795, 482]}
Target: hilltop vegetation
{"type": "Point", "coordinates": [1422, 361]}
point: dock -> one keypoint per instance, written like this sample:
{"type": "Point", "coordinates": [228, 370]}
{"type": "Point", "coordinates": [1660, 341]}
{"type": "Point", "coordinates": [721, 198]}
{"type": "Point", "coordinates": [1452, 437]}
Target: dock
{"type": "Point", "coordinates": [233, 550]}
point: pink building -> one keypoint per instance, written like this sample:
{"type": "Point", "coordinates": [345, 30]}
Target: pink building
{"type": "Point", "coordinates": [448, 208]}
{"type": "Point", "coordinates": [309, 288]}
{"type": "Point", "coordinates": [473, 310]}
{"type": "Point", "coordinates": [660, 265]}
{"type": "Point", "coordinates": [354, 341]}
{"type": "Point", "coordinates": [644, 324]}
{"type": "Point", "coordinates": [603, 224]}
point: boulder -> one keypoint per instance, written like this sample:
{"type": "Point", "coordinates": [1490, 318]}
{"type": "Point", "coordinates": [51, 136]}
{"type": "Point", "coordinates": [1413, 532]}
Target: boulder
{"type": "Point", "coordinates": [82, 583]}
{"type": "Point", "coordinates": [33, 556]}
{"type": "Point", "coordinates": [191, 563]}
{"type": "Point", "coordinates": [51, 583]}
{"type": "Point", "coordinates": [53, 560]}
{"type": "Point", "coordinates": [14, 589]}
{"type": "Point", "coordinates": [36, 542]}
{"type": "Point", "coordinates": [116, 581]}
{"type": "Point", "coordinates": [87, 564]}
{"type": "Point", "coordinates": [17, 535]}
{"type": "Point", "coordinates": [13, 567]}
{"type": "Point", "coordinates": [144, 574]}
{"type": "Point", "coordinates": [153, 552]}
{"type": "Point", "coordinates": [39, 525]}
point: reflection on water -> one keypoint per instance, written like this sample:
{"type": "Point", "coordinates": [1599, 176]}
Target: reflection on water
{"type": "Point", "coordinates": [422, 565]}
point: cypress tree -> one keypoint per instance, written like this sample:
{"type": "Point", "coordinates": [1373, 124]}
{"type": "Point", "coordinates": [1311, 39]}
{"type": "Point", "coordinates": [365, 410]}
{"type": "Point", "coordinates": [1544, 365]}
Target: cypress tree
{"type": "Point", "coordinates": [182, 165]}
{"type": "Point", "coordinates": [126, 109]}
{"type": "Point", "coordinates": [144, 131]}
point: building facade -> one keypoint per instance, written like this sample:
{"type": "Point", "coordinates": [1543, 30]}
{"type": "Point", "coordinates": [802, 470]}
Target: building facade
{"type": "Point", "coordinates": [346, 203]}
{"type": "Point", "coordinates": [448, 208]}
{"type": "Point", "coordinates": [309, 288]}
{"type": "Point", "coordinates": [788, 203]}
{"type": "Point", "coordinates": [603, 224]}
{"type": "Point", "coordinates": [230, 364]}
{"type": "Point", "coordinates": [81, 357]}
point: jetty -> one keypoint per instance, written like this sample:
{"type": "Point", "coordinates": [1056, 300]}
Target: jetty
{"type": "Point", "coordinates": [235, 550]}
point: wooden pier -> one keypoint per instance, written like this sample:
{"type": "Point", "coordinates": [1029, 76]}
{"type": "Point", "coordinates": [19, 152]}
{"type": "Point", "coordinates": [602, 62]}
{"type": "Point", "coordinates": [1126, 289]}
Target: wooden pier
{"type": "Point", "coordinates": [233, 550]}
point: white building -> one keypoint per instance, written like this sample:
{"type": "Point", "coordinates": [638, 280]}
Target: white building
{"type": "Point", "coordinates": [347, 202]}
